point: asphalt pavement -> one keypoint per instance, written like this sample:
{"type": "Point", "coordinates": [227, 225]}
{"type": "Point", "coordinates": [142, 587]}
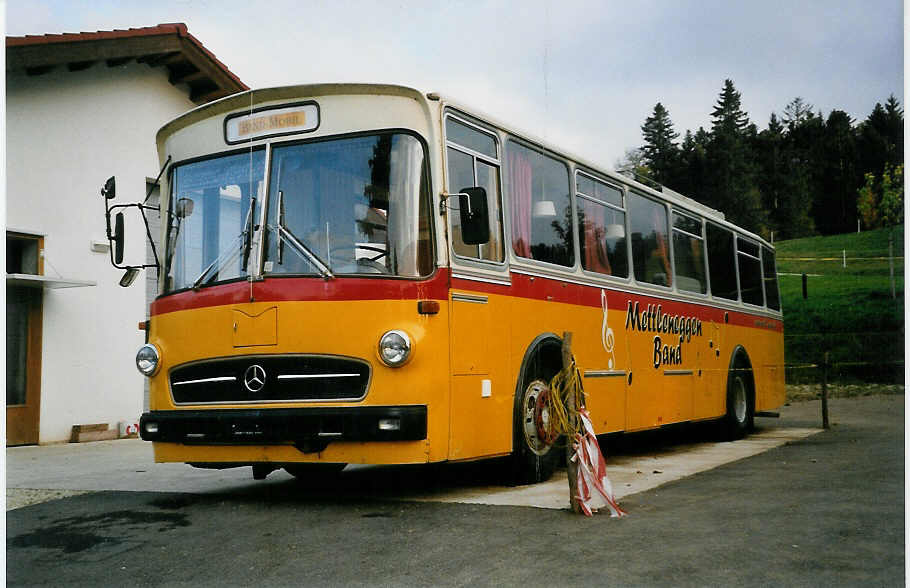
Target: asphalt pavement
{"type": "Point", "coordinates": [823, 509]}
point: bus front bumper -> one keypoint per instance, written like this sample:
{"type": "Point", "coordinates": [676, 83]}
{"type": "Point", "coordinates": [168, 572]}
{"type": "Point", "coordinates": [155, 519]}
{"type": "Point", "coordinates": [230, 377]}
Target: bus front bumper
{"type": "Point", "coordinates": [308, 429]}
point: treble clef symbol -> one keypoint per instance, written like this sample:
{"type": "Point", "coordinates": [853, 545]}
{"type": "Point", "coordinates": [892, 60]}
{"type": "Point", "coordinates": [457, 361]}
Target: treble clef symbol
{"type": "Point", "coordinates": [606, 333]}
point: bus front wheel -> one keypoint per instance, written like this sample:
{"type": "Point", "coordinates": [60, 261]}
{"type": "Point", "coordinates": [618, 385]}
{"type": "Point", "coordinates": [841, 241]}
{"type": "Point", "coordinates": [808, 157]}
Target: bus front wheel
{"type": "Point", "coordinates": [534, 456]}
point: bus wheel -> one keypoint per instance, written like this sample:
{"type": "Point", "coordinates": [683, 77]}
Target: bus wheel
{"type": "Point", "coordinates": [311, 471]}
{"type": "Point", "coordinates": [534, 457]}
{"type": "Point", "coordinates": [740, 402]}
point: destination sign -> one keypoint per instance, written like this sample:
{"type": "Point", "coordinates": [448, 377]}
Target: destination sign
{"type": "Point", "coordinates": [270, 122]}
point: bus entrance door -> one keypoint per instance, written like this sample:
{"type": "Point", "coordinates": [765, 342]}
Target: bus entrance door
{"type": "Point", "coordinates": [480, 403]}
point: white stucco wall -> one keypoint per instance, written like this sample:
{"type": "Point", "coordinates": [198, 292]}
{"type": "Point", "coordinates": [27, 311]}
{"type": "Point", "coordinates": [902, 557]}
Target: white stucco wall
{"type": "Point", "coordinates": [67, 132]}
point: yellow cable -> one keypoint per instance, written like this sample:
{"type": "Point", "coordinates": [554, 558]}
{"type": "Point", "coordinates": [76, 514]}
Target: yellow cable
{"type": "Point", "coordinates": [564, 385]}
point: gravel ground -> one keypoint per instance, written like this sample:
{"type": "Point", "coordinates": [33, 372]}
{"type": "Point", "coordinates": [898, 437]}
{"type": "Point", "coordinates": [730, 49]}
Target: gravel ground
{"type": "Point", "coordinates": [19, 497]}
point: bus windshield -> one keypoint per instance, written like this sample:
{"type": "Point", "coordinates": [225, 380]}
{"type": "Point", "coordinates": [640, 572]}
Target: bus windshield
{"type": "Point", "coordinates": [355, 205]}
{"type": "Point", "coordinates": [213, 206]}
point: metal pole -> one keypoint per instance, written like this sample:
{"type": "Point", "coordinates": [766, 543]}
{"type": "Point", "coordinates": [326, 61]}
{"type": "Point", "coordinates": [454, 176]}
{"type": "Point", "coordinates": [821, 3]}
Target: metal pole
{"type": "Point", "coordinates": [805, 287]}
{"type": "Point", "coordinates": [891, 260]}
{"type": "Point", "coordinates": [825, 392]}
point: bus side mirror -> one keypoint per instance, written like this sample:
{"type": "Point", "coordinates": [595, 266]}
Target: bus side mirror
{"type": "Point", "coordinates": [475, 217]}
{"type": "Point", "coordinates": [118, 238]}
{"type": "Point", "coordinates": [129, 277]}
{"type": "Point", "coordinates": [109, 191]}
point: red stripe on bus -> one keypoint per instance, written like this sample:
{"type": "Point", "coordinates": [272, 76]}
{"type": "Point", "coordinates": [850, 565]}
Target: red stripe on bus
{"type": "Point", "coordinates": [552, 290]}
{"type": "Point", "coordinates": [435, 288]}
{"type": "Point", "coordinates": [290, 289]}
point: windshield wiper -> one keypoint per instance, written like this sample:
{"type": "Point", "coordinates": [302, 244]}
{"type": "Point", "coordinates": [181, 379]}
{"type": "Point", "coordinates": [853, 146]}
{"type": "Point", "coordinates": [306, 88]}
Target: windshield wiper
{"type": "Point", "coordinates": [242, 245]}
{"type": "Point", "coordinates": [285, 235]}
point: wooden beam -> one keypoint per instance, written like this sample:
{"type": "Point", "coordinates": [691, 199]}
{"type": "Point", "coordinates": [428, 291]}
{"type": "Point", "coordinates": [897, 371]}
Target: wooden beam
{"type": "Point", "coordinates": [165, 59]}
{"type": "Point", "coordinates": [33, 56]}
{"type": "Point", "coordinates": [208, 94]}
{"type": "Point", "coordinates": [186, 77]}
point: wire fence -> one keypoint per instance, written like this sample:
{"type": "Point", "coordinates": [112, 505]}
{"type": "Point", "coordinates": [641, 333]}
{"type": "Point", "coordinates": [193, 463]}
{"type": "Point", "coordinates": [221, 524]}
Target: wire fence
{"type": "Point", "coordinates": [875, 356]}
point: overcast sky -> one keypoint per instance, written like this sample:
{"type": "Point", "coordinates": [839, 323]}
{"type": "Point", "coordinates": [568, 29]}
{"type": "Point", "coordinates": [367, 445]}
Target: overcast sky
{"type": "Point", "coordinates": [582, 75]}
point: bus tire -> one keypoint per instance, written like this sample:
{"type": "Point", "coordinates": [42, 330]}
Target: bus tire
{"type": "Point", "coordinates": [533, 459]}
{"type": "Point", "coordinates": [740, 416]}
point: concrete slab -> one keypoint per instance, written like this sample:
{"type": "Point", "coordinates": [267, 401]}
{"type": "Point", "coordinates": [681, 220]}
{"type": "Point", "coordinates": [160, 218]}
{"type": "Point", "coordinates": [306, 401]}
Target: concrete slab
{"type": "Point", "coordinates": [628, 474]}
{"type": "Point", "coordinates": [37, 474]}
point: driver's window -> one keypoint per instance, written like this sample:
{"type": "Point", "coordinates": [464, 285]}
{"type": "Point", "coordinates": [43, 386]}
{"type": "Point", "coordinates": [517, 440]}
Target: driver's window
{"type": "Point", "coordinates": [473, 160]}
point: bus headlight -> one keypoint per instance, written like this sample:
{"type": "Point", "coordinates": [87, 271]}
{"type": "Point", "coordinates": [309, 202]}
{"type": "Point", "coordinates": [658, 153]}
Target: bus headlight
{"type": "Point", "coordinates": [147, 360]}
{"type": "Point", "coordinates": [394, 348]}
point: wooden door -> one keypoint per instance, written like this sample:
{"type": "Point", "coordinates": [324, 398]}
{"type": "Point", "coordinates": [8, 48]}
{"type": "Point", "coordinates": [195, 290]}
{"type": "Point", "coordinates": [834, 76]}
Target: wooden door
{"type": "Point", "coordinates": [23, 364]}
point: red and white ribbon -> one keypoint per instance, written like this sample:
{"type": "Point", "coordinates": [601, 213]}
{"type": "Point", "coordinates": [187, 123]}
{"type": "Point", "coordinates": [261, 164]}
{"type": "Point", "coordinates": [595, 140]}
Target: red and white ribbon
{"type": "Point", "coordinates": [594, 488]}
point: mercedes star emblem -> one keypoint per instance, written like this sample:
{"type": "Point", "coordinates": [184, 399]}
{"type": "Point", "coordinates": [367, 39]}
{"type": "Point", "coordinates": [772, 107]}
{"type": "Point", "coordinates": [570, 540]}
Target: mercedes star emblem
{"type": "Point", "coordinates": [254, 378]}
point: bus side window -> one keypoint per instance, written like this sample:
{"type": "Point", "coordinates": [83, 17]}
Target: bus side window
{"type": "Point", "coordinates": [769, 270]}
{"type": "Point", "coordinates": [750, 278]}
{"type": "Point", "coordinates": [541, 207]}
{"type": "Point", "coordinates": [722, 263]}
{"type": "Point", "coordinates": [650, 251]}
{"type": "Point", "coordinates": [473, 160]}
{"type": "Point", "coordinates": [601, 227]}
{"type": "Point", "coordinates": [689, 254]}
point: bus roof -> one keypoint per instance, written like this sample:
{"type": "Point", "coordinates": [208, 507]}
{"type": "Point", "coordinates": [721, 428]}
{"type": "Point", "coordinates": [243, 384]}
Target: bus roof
{"type": "Point", "coordinates": [235, 101]}
{"type": "Point", "coordinates": [240, 99]}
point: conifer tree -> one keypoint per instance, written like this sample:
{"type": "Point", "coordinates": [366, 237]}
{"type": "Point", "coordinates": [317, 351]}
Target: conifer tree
{"type": "Point", "coordinates": [731, 185]}
{"type": "Point", "coordinates": [660, 151]}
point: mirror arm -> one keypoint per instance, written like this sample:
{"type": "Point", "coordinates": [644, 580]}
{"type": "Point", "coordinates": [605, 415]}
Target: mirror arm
{"type": "Point", "coordinates": [148, 232]}
{"type": "Point", "coordinates": [157, 178]}
{"type": "Point", "coordinates": [444, 205]}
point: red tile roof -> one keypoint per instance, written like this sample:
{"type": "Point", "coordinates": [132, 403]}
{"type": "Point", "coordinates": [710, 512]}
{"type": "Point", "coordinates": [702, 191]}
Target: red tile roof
{"type": "Point", "coordinates": [34, 42]}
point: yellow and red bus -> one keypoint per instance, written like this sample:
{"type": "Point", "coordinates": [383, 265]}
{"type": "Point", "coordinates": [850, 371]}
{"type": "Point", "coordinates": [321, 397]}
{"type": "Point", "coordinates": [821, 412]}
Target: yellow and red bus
{"type": "Point", "coordinates": [360, 273]}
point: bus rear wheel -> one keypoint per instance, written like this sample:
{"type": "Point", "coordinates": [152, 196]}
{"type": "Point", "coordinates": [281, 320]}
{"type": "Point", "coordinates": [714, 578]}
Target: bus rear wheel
{"type": "Point", "coordinates": [740, 402]}
{"type": "Point", "coordinates": [534, 456]}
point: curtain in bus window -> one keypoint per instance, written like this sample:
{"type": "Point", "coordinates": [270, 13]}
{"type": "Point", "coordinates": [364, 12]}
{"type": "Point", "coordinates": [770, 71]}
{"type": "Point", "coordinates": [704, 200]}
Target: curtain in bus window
{"type": "Point", "coordinates": [595, 251]}
{"type": "Point", "coordinates": [520, 175]}
{"type": "Point", "coordinates": [592, 218]}
{"type": "Point", "coordinates": [405, 177]}
{"type": "Point", "coordinates": [550, 232]}
{"type": "Point", "coordinates": [659, 222]}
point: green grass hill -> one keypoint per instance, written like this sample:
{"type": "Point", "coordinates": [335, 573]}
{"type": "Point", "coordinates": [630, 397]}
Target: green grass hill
{"type": "Point", "coordinates": [849, 310]}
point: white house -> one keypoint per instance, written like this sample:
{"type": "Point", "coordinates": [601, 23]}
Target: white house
{"type": "Point", "coordinates": [79, 109]}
